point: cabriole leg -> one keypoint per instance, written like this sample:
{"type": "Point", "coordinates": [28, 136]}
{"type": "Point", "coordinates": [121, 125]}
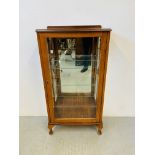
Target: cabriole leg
{"type": "Point", "coordinates": [50, 127]}
{"type": "Point", "coordinates": [99, 128]}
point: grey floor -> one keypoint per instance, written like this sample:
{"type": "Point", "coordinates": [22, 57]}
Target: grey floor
{"type": "Point", "coordinates": [117, 138]}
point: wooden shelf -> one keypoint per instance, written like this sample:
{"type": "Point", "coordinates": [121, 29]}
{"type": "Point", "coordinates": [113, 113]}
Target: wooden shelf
{"type": "Point", "coordinates": [75, 107]}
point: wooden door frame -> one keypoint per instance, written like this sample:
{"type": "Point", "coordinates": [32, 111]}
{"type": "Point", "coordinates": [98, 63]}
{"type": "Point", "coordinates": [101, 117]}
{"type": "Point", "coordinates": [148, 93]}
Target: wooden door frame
{"type": "Point", "coordinates": [47, 76]}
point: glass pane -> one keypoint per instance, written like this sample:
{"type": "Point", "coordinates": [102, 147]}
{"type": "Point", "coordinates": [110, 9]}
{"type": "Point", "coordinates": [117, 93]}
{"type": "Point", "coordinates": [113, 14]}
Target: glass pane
{"type": "Point", "coordinates": [74, 66]}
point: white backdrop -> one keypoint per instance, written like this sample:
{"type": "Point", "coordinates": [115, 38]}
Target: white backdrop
{"type": "Point", "coordinates": [116, 14]}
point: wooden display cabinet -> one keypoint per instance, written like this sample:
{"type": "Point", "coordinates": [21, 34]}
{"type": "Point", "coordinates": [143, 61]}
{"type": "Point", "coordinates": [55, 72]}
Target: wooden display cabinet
{"type": "Point", "coordinates": [74, 64]}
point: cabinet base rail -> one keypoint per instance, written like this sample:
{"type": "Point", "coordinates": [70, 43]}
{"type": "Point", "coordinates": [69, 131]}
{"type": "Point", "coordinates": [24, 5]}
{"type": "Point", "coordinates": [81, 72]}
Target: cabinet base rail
{"type": "Point", "coordinates": [98, 125]}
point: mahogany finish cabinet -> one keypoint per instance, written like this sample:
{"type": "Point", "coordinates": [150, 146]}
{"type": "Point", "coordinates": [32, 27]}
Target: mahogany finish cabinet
{"type": "Point", "coordinates": [74, 64]}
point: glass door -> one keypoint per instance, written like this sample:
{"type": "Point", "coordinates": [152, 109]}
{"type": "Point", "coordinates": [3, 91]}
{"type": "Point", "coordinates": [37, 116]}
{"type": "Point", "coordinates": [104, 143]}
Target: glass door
{"type": "Point", "coordinates": [74, 64]}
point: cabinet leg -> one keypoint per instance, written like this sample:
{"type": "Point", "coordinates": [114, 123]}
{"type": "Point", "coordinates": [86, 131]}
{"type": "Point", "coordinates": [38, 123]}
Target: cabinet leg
{"type": "Point", "coordinates": [50, 129]}
{"type": "Point", "coordinates": [100, 128]}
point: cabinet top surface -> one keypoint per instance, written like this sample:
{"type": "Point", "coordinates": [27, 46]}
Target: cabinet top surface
{"type": "Point", "coordinates": [78, 28]}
